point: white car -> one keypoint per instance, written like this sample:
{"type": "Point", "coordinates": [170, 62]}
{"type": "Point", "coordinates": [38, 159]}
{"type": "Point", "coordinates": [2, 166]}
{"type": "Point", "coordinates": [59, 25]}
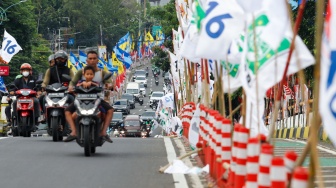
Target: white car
{"type": "Point", "coordinates": [141, 79]}
{"type": "Point", "coordinates": [156, 95]}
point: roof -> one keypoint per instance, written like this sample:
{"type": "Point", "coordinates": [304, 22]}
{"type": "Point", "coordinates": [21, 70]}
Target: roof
{"type": "Point", "coordinates": [121, 100]}
{"type": "Point", "coordinates": [132, 117]}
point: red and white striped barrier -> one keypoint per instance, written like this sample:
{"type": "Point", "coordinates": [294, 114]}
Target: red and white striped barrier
{"type": "Point", "coordinates": [252, 164]}
{"type": "Point", "coordinates": [278, 173]}
{"type": "Point", "coordinates": [290, 158]}
{"type": "Point", "coordinates": [264, 166]}
{"type": "Point", "coordinates": [234, 154]}
{"type": "Point", "coordinates": [212, 144]}
{"type": "Point", "coordinates": [225, 147]}
{"type": "Point", "coordinates": [300, 177]}
{"type": "Point", "coordinates": [240, 171]}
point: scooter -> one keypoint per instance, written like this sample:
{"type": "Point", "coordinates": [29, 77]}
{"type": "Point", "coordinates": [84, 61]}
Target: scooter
{"type": "Point", "coordinates": [157, 82]}
{"type": "Point", "coordinates": [139, 100]}
{"type": "Point", "coordinates": [24, 119]}
{"type": "Point", "coordinates": [56, 99]}
{"type": "Point", "coordinates": [88, 121]}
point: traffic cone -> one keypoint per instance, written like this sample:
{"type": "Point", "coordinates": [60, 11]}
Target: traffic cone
{"type": "Point", "coordinates": [278, 173]}
{"type": "Point", "coordinates": [217, 158]}
{"type": "Point", "coordinates": [300, 177]}
{"type": "Point", "coordinates": [234, 154]}
{"type": "Point", "coordinates": [252, 165]}
{"type": "Point", "coordinates": [225, 149]}
{"type": "Point", "coordinates": [290, 158]}
{"type": "Point", "coordinates": [212, 144]}
{"type": "Point", "coordinates": [264, 166]}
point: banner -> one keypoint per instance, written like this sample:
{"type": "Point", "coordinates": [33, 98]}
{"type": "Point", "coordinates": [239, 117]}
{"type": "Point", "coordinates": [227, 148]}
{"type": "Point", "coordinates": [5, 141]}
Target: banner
{"type": "Point", "coordinates": [102, 52]}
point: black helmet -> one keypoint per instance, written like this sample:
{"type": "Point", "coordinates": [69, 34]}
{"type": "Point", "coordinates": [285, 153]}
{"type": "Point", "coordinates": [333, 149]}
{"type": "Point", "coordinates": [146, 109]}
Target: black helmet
{"type": "Point", "coordinates": [61, 54]}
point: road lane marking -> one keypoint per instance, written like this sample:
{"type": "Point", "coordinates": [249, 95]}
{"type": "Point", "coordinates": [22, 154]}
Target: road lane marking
{"type": "Point", "coordinates": [180, 180]}
{"type": "Point", "coordinates": [319, 147]}
{"type": "Point", "coordinates": [3, 138]}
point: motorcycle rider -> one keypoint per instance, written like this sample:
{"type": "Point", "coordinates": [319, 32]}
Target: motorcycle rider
{"type": "Point", "coordinates": [27, 81]}
{"type": "Point", "coordinates": [92, 60]}
{"type": "Point", "coordinates": [54, 73]}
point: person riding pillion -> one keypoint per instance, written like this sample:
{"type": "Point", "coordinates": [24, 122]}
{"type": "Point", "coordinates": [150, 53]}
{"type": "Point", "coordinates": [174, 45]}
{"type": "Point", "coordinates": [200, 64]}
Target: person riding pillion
{"type": "Point", "coordinates": [54, 73]}
{"type": "Point", "coordinates": [27, 81]}
{"type": "Point", "coordinates": [92, 60]}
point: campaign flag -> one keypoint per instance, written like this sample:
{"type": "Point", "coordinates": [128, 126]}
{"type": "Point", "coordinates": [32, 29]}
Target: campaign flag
{"type": "Point", "coordinates": [271, 63]}
{"type": "Point", "coordinates": [194, 128]}
{"type": "Point", "coordinates": [82, 57]}
{"type": "Point", "coordinates": [9, 48]}
{"type": "Point", "coordinates": [250, 6]}
{"type": "Point", "coordinates": [3, 88]}
{"type": "Point", "coordinates": [125, 43]}
{"type": "Point", "coordinates": [224, 21]}
{"type": "Point", "coordinates": [168, 101]}
{"type": "Point", "coordinates": [108, 66]}
{"type": "Point", "coordinates": [75, 62]}
{"type": "Point", "coordinates": [123, 56]}
{"type": "Point", "coordinates": [327, 103]}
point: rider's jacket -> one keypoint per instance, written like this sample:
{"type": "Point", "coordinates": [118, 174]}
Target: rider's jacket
{"type": "Point", "coordinates": [60, 70]}
{"type": "Point", "coordinates": [20, 83]}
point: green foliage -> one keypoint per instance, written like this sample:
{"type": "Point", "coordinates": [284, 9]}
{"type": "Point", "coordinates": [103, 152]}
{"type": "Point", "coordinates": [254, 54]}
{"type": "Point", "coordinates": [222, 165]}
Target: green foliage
{"type": "Point", "coordinates": [161, 59]}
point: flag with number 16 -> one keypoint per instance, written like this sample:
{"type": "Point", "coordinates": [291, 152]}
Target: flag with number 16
{"type": "Point", "coordinates": [9, 48]}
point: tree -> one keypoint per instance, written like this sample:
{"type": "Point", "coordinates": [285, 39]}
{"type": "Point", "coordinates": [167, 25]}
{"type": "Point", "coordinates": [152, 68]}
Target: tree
{"type": "Point", "coordinates": [161, 59]}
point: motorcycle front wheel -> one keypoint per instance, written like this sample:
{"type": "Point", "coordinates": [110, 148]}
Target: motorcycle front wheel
{"type": "Point", "coordinates": [54, 123]}
{"type": "Point", "coordinates": [25, 132]}
{"type": "Point", "coordinates": [87, 141]}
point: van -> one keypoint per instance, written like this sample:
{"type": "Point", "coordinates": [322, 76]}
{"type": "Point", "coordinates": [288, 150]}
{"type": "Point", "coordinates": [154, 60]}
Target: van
{"type": "Point", "coordinates": [133, 88]}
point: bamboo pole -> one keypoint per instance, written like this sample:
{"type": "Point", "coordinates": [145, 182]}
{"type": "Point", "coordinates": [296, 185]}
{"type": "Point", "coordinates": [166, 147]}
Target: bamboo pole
{"type": "Point", "coordinates": [186, 82]}
{"type": "Point", "coordinates": [314, 162]}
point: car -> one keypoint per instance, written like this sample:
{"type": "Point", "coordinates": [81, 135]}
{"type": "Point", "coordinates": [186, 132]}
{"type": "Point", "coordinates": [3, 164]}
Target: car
{"type": "Point", "coordinates": [122, 105]}
{"type": "Point", "coordinates": [117, 120]}
{"type": "Point", "coordinates": [141, 79]}
{"type": "Point", "coordinates": [147, 115]}
{"type": "Point", "coordinates": [132, 126]}
{"type": "Point", "coordinates": [166, 77]}
{"type": "Point", "coordinates": [130, 98]}
{"type": "Point", "coordinates": [142, 89]}
{"type": "Point", "coordinates": [156, 95]}
{"type": "Point", "coordinates": [139, 73]}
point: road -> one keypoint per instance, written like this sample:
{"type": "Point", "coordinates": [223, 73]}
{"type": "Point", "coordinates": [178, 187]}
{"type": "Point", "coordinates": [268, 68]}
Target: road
{"type": "Point", "coordinates": [127, 162]}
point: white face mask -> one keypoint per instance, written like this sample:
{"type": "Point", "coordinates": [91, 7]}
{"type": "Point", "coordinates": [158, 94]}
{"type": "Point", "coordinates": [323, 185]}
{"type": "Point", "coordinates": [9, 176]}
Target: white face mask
{"type": "Point", "coordinates": [25, 73]}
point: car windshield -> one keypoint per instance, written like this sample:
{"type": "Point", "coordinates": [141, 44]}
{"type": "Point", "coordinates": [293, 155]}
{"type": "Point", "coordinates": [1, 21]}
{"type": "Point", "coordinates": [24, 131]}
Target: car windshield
{"type": "Point", "coordinates": [157, 95]}
{"type": "Point", "coordinates": [141, 78]}
{"type": "Point", "coordinates": [140, 72]}
{"type": "Point", "coordinates": [120, 103]}
{"type": "Point", "coordinates": [132, 91]}
{"type": "Point", "coordinates": [132, 123]}
{"type": "Point", "coordinates": [117, 116]}
{"type": "Point", "coordinates": [146, 114]}
{"type": "Point", "coordinates": [128, 97]}
{"type": "Point", "coordinates": [142, 86]}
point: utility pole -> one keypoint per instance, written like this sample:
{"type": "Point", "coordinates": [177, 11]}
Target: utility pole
{"type": "Point", "coordinates": [59, 39]}
{"type": "Point", "coordinates": [101, 35]}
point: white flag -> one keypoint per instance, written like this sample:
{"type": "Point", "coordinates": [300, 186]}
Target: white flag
{"type": "Point", "coordinates": [194, 128]}
{"type": "Point", "coordinates": [271, 63]}
{"type": "Point", "coordinates": [251, 5]}
{"type": "Point", "coordinates": [252, 118]}
{"type": "Point", "coordinates": [168, 101]}
{"type": "Point", "coordinates": [224, 22]}
{"type": "Point", "coordinates": [327, 103]}
{"type": "Point", "coordinates": [9, 47]}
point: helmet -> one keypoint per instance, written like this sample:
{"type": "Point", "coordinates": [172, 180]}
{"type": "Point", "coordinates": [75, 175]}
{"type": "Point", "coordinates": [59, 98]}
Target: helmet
{"type": "Point", "coordinates": [61, 54]}
{"type": "Point", "coordinates": [51, 57]}
{"type": "Point", "coordinates": [26, 66]}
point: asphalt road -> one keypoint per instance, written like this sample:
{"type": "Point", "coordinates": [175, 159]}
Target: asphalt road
{"type": "Point", "coordinates": [127, 162]}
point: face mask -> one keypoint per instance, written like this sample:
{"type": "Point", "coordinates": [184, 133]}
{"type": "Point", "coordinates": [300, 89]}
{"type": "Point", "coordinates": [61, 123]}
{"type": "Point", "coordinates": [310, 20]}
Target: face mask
{"type": "Point", "coordinates": [60, 63]}
{"type": "Point", "coordinates": [25, 73]}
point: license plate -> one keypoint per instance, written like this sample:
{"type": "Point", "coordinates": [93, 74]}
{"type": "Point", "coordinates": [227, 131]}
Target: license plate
{"type": "Point", "coordinates": [86, 96]}
{"type": "Point", "coordinates": [56, 94]}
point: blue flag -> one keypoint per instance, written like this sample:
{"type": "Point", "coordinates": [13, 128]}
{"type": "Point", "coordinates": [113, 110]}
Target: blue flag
{"type": "Point", "coordinates": [123, 56]}
{"type": "Point", "coordinates": [75, 62]}
{"type": "Point", "coordinates": [2, 85]}
{"type": "Point", "coordinates": [82, 57]}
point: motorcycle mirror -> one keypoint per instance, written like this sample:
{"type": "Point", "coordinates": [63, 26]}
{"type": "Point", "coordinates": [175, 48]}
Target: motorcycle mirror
{"type": "Point", "coordinates": [107, 76]}
{"type": "Point", "coordinates": [39, 81]}
{"type": "Point", "coordinates": [66, 77]}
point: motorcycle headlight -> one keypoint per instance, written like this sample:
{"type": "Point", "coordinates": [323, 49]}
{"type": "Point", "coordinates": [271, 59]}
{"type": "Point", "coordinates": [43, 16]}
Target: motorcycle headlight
{"type": "Point", "coordinates": [49, 101]}
{"type": "Point", "coordinates": [122, 132]}
{"type": "Point", "coordinates": [92, 111]}
{"type": "Point", "coordinates": [62, 101]}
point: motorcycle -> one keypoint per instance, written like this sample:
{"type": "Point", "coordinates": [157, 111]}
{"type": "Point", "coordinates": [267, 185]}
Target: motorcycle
{"type": "Point", "coordinates": [157, 82]}
{"type": "Point", "coordinates": [88, 121]}
{"type": "Point", "coordinates": [56, 99]}
{"type": "Point", "coordinates": [24, 117]}
{"type": "Point", "coordinates": [155, 104]}
{"type": "Point", "coordinates": [146, 128]}
{"type": "Point", "coordinates": [139, 100]}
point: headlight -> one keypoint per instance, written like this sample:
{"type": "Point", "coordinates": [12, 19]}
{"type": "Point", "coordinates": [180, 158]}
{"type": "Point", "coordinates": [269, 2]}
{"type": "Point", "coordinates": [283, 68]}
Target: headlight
{"type": "Point", "coordinates": [62, 101]}
{"type": "Point", "coordinates": [58, 103]}
{"type": "Point", "coordinates": [92, 111]}
{"type": "Point", "coordinates": [122, 132]}
{"type": "Point", "coordinates": [49, 101]}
